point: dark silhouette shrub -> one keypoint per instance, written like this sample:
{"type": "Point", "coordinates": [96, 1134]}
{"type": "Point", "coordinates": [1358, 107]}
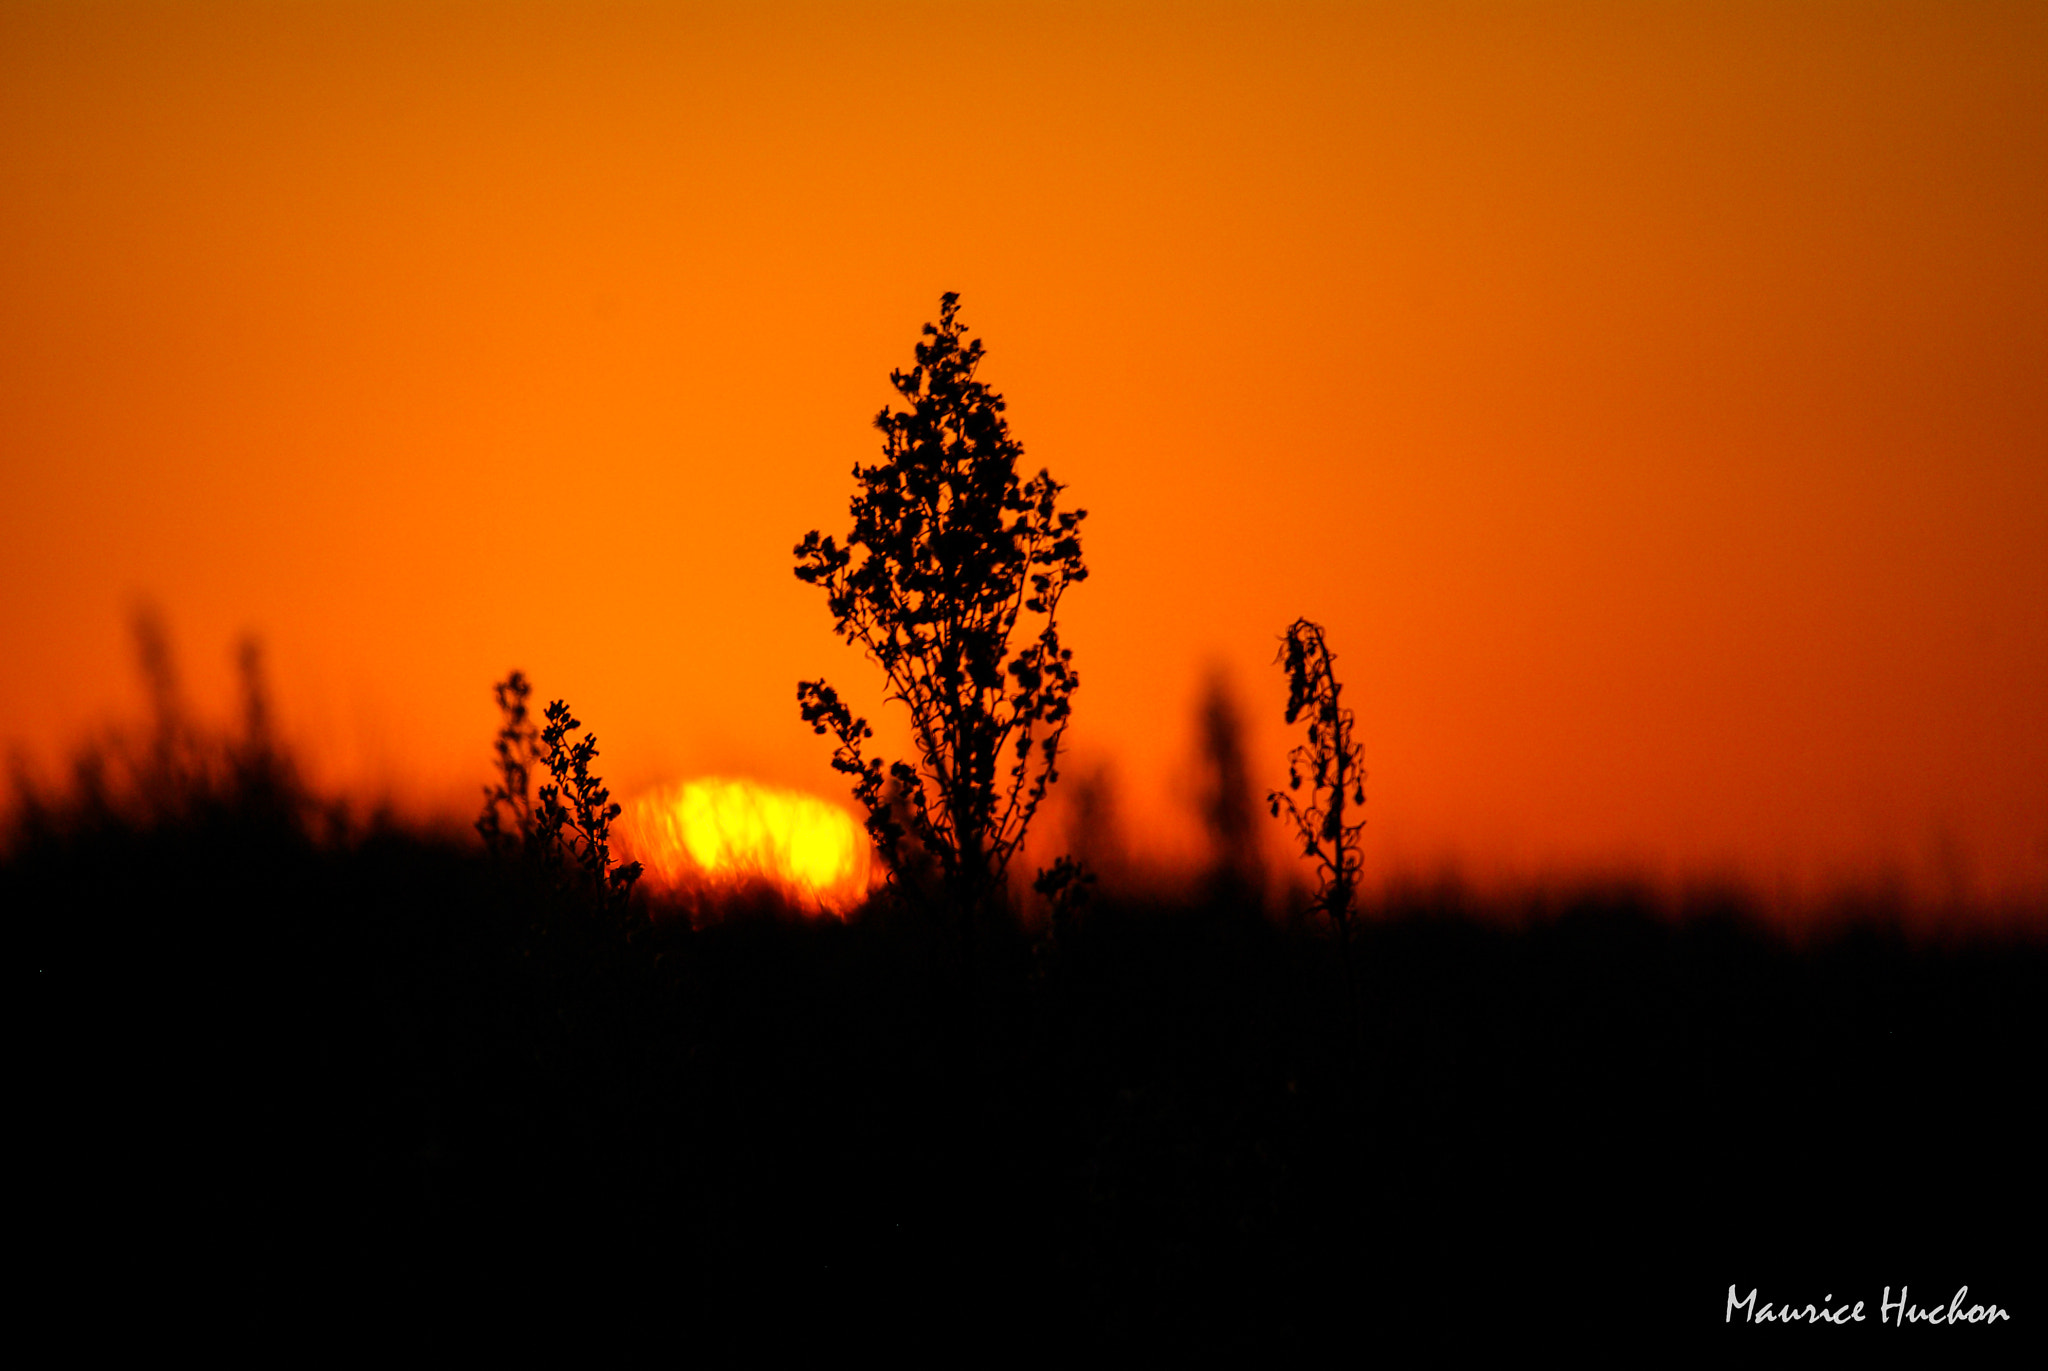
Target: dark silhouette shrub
{"type": "Point", "coordinates": [563, 830]}
{"type": "Point", "coordinates": [951, 555]}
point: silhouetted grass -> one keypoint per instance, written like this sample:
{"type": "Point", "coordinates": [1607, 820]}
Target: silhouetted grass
{"type": "Point", "coordinates": [292, 1069]}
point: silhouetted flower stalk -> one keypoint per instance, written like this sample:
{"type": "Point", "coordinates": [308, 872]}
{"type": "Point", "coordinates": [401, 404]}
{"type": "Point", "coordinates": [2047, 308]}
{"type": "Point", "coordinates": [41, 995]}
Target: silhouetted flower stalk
{"type": "Point", "coordinates": [951, 554]}
{"type": "Point", "coordinates": [1332, 767]}
{"type": "Point", "coordinates": [564, 828]}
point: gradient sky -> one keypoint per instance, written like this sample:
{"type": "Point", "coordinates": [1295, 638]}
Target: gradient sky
{"type": "Point", "coordinates": [1651, 400]}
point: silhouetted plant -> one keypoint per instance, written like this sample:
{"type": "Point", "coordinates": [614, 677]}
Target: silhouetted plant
{"type": "Point", "coordinates": [171, 773]}
{"type": "Point", "coordinates": [1227, 801]}
{"type": "Point", "coordinates": [564, 828]}
{"type": "Point", "coordinates": [517, 746]}
{"type": "Point", "coordinates": [262, 770]}
{"type": "Point", "coordinates": [1093, 830]}
{"type": "Point", "coordinates": [177, 769]}
{"type": "Point", "coordinates": [1065, 886]}
{"type": "Point", "coordinates": [950, 552]}
{"type": "Point", "coordinates": [1332, 765]}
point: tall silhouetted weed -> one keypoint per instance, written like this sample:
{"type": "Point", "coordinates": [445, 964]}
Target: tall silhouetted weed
{"type": "Point", "coordinates": [1332, 765]}
{"type": "Point", "coordinates": [951, 553]}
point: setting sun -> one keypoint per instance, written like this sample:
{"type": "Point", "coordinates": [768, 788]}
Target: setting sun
{"type": "Point", "coordinates": [716, 832]}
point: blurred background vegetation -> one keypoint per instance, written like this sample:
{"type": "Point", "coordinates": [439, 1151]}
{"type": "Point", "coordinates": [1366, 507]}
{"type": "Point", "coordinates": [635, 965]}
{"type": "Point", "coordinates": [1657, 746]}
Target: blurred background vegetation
{"type": "Point", "coordinates": [291, 1064]}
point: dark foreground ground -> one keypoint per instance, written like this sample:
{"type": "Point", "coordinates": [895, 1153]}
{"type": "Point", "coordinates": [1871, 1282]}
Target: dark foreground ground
{"type": "Point", "coordinates": [274, 1087]}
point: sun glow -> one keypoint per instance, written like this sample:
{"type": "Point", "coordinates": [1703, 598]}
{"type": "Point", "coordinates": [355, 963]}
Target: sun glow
{"type": "Point", "coordinates": [719, 833]}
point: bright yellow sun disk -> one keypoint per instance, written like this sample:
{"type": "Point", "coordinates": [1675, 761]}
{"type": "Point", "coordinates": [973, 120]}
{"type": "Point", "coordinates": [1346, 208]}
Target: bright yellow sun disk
{"type": "Point", "coordinates": [717, 831]}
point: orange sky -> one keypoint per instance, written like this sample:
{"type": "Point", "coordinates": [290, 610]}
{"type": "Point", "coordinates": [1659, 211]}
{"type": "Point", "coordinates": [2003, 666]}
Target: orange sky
{"type": "Point", "coordinates": [1651, 400]}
